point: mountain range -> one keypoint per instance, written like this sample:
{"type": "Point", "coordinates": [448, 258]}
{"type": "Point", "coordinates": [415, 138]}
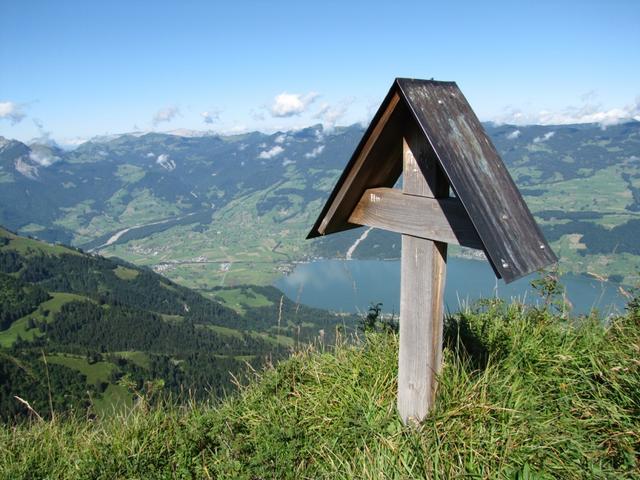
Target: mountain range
{"type": "Point", "coordinates": [208, 210]}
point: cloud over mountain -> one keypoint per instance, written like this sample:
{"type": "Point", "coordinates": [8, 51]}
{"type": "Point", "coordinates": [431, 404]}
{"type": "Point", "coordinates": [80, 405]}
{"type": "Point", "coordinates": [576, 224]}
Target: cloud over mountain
{"type": "Point", "coordinates": [330, 114]}
{"type": "Point", "coordinates": [513, 135]}
{"type": "Point", "coordinates": [165, 115]}
{"type": "Point", "coordinates": [315, 152]}
{"type": "Point", "coordinates": [210, 116]}
{"type": "Point", "coordinates": [589, 112]}
{"type": "Point", "coordinates": [165, 162]}
{"type": "Point", "coordinates": [544, 137]}
{"type": "Point", "coordinates": [43, 156]}
{"type": "Point", "coordinates": [290, 104]}
{"type": "Point", "coordinates": [272, 152]}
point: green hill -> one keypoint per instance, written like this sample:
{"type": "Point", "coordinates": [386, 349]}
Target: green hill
{"type": "Point", "coordinates": [85, 324]}
{"type": "Point", "coordinates": [523, 394]}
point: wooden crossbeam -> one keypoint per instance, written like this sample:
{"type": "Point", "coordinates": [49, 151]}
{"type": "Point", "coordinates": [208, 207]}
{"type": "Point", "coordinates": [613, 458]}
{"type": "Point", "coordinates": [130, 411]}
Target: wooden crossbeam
{"type": "Point", "coordinates": [442, 220]}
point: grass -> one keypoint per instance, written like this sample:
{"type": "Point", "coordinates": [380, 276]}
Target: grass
{"type": "Point", "coordinates": [115, 398]}
{"type": "Point", "coordinates": [140, 207]}
{"type": "Point", "coordinates": [237, 299]}
{"type": "Point", "coordinates": [114, 401]}
{"type": "Point", "coordinates": [281, 340]}
{"type": "Point", "coordinates": [139, 358]}
{"type": "Point", "coordinates": [19, 327]}
{"type": "Point", "coordinates": [28, 247]}
{"type": "Point", "coordinates": [125, 273]}
{"type": "Point", "coordinates": [278, 340]}
{"type": "Point", "coordinates": [226, 331]}
{"type": "Point", "coordinates": [604, 192]}
{"type": "Point", "coordinates": [175, 319]}
{"type": "Point", "coordinates": [96, 372]}
{"type": "Point", "coordinates": [522, 394]}
{"type": "Point", "coordinates": [130, 173]}
{"type": "Point", "coordinates": [254, 258]}
{"type": "Point", "coordinates": [261, 259]}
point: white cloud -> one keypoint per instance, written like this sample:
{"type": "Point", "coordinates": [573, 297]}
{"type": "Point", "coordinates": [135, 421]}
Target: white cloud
{"type": "Point", "coordinates": [330, 114]}
{"type": "Point", "coordinates": [235, 129]}
{"type": "Point", "coordinates": [280, 138]}
{"type": "Point", "coordinates": [272, 152]}
{"type": "Point", "coordinates": [210, 116]}
{"type": "Point", "coordinates": [43, 157]}
{"type": "Point", "coordinates": [371, 109]}
{"type": "Point", "coordinates": [44, 137]}
{"type": "Point", "coordinates": [290, 104]}
{"type": "Point", "coordinates": [71, 143]}
{"type": "Point", "coordinates": [588, 112]}
{"type": "Point", "coordinates": [513, 135]}
{"type": "Point", "coordinates": [165, 115]}
{"type": "Point", "coordinates": [286, 162]}
{"type": "Point", "coordinates": [12, 111]}
{"type": "Point", "coordinates": [544, 137]}
{"type": "Point", "coordinates": [315, 152]}
{"type": "Point", "coordinates": [164, 161]}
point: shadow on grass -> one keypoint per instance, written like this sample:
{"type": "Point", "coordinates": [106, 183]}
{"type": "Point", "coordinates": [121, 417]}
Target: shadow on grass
{"type": "Point", "coordinates": [464, 341]}
{"type": "Point", "coordinates": [479, 334]}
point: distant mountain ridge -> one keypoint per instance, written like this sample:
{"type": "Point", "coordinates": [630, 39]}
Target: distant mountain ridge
{"type": "Point", "coordinates": [180, 173]}
{"type": "Point", "coordinates": [170, 199]}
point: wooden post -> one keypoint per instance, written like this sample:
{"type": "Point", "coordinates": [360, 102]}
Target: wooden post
{"type": "Point", "coordinates": [423, 271]}
{"type": "Point", "coordinates": [439, 132]}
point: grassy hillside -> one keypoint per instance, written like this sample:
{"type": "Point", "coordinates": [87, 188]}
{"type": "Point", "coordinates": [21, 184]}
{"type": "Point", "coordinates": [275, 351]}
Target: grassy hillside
{"type": "Point", "coordinates": [85, 323]}
{"type": "Point", "coordinates": [523, 394]}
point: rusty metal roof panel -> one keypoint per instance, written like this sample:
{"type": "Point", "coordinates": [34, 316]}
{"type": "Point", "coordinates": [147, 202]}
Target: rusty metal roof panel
{"type": "Point", "coordinates": [512, 239]}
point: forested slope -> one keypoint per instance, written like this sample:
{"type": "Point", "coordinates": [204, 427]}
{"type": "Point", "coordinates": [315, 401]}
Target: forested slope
{"type": "Point", "coordinates": [78, 327]}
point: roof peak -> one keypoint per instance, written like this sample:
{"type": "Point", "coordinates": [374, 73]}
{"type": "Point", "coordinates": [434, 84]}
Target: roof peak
{"type": "Point", "coordinates": [512, 240]}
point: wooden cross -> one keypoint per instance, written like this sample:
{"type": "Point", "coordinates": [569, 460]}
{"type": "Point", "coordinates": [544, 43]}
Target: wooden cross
{"type": "Point", "coordinates": [417, 214]}
{"type": "Point", "coordinates": [427, 132]}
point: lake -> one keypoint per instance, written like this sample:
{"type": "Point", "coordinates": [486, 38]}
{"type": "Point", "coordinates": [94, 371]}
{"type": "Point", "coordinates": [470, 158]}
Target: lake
{"type": "Point", "coordinates": [352, 285]}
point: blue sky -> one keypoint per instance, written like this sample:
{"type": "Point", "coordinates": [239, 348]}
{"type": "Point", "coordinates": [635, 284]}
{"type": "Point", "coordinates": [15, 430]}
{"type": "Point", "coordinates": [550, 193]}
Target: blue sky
{"type": "Point", "coordinates": [78, 69]}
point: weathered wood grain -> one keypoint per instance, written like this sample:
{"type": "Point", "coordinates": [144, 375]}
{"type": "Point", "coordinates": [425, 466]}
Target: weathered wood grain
{"type": "Point", "coordinates": [423, 271]}
{"type": "Point", "coordinates": [455, 138]}
{"type": "Point", "coordinates": [513, 241]}
{"type": "Point", "coordinates": [427, 131]}
{"type": "Point", "coordinates": [443, 220]}
{"type": "Point", "coordinates": [369, 166]}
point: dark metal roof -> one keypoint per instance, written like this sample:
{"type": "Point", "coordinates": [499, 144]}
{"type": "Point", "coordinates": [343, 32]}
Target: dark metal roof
{"type": "Point", "coordinates": [512, 240]}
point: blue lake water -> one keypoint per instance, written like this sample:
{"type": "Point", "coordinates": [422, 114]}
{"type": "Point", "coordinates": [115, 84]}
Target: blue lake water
{"type": "Point", "coordinates": [352, 285]}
